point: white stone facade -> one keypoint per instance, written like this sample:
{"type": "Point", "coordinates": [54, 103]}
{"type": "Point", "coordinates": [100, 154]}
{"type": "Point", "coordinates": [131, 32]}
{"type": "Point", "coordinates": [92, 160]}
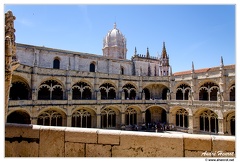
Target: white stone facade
{"type": "Point", "coordinates": [66, 88]}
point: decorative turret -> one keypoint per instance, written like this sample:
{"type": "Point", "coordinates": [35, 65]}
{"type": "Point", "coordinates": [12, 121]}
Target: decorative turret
{"type": "Point", "coordinates": [114, 44]}
{"type": "Point", "coordinates": [221, 64]}
{"type": "Point", "coordinates": [148, 55]}
{"type": "Point", "coordinates": [164, 62]}
{"type": "Point", "coordinates": [135, 52]}
{"type": "Point", "coordinates": [192, 68]}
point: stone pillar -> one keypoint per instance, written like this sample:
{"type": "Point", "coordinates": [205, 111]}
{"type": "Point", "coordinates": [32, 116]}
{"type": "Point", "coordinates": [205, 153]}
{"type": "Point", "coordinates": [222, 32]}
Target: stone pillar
{"type": "Point", "coordinates": [69, 120]}
{"type": "Point", "coordinates": [123, 95]}
{"type": "Point", "coordinates": [34, 120]}
{"type": "Point", "coordinates": [123, 118]}
{"type": "Point", "coordinates": [167, 117]}
{"type": "Point", "coordinates": [98, 95]}
{"type": "Point", "coordinates": [190, 124]}
{"type": "Point", "coordinates": [220, 126]}
{"type": "Point", "coordinates": [98, 120]}
{"type": "Point", "coordinates": [143, 96]}
{"type": "Point", "coordinates": [96, 87]}
{"type": "Point", "coordinates": [143, 117]}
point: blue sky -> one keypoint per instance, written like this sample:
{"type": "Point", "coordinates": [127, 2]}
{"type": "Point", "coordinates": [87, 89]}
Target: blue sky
{"type": "Point", "coordinates": [198, 33]}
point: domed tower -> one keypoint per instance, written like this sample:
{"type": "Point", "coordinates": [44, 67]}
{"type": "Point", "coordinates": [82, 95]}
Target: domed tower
{"type": "Point", "coordinates": [114, 44]}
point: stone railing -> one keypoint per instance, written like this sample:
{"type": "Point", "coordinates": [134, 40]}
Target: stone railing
{"type": "Point", "coordinates": [14, 103]}
{"type": "Point", "coordinates": [47, 141]}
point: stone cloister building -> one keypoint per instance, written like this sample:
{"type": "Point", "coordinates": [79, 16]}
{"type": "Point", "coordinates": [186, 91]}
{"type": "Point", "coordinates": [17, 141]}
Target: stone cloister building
{"type": "Point", "coordinates": [75, 89]}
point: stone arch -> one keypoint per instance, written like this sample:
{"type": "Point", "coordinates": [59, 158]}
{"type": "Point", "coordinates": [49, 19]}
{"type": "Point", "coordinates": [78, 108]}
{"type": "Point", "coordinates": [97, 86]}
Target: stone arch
{"type": "Point", "coordinates": [230, 122]}
{"type": "Point", "coordinates": [130, 91]}
{"type": "Point", "coordinates": [50, 90]}
{"type": "Point", "coordinates": [81, 90]}
{"type": "Point", "coordinates": [156, 114]}
{"type": "Point", "coordinates": [19, 116]}
{"type": "Point", "coordinates": [182, 91]}
{"type": "Point", "coordinates": [110, 117]}
{"type": "Point", "coordinates": [133, 115]}
{"type": "Point", "coordinates": [208, 91]}
{"type": "Point", "coordinates": [83, 117]}
{"type": "Point", "coordinates": [178, 116]}
{"type": "Point", "coordinates": [202, 82]}
{"type": "Point", "coordinates": [207, 119]}
{"type": "Point", "coordinates": [83, 80]}
{"type": "Point", "coordinates": [20, 89]}
{"type": "Point", "coordinates": [108, 91]}
{"type": "Point", "coordinates": [155, 91]}
{"type": "Point", "coordinates": [52, 116]}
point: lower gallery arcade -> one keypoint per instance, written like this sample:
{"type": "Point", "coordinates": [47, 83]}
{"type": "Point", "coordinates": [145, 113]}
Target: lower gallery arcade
{"type": "Point", "coordinates": [204, 120]}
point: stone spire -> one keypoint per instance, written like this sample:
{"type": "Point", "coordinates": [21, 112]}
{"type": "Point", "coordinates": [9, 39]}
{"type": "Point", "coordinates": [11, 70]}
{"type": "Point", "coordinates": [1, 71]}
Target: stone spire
{"type": "Point", "coordinates": [192, 67]}
{"type": "Point", "coordinates": [164, 52]}
{"type": "Point", "coordinates": [147, 55]}
{"type": "Point", "coordinates": [115, 25]}
{"type": "Point", "coordinates": [164, 62]}
{"type": "Point", "coordinates": [170, 67]}
{"type": "Point", "coordinates": [135, 51]}
{"type": "Point", "coordinates": [221, 65]}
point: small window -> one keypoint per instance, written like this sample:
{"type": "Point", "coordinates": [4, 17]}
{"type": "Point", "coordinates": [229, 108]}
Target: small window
{"type": "Point", "coordinates": [92, 67]}
{"type": "Point", "coordinates": [56, 63]}
{"type": "Point", "coordinates": [122, 70]}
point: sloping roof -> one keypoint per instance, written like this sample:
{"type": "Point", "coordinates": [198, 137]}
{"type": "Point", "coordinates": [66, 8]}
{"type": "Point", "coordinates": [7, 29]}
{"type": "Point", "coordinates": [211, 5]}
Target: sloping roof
{"type": "Point", "coordinates": [204, 70]}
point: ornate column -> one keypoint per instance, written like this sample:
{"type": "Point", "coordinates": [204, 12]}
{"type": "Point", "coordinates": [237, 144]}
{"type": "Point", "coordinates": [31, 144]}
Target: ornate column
{"type": "Point", "coordinates": [11, 62]}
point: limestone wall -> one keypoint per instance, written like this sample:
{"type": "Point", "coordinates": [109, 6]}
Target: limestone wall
{"type": "Point", "coordinates": [45, 141]}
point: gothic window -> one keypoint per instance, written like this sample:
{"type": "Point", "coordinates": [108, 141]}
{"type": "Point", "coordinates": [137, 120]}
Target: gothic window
{"type": "Point", "coordinates": [56, 63]}
{"type": "Point", "coordinates": [81, 118]}
{"type": "Point", "coordinates": [108, 91]}
{"type": "Point", "coordinates": [182, 118]}
{"type": "Point", "coordinates": [81, 90]}
{"type": "Point", "coordinates": [19, 117]}
{"type": "Point", "coordinates": [232, 93]}
{"type": "Point", "coordinates": [92, 67]}
{"type": "Point", "coordinates": [108, 118]}
{"type": "Point", "coordinates": [19, 91]}
{"type": "Point", "coordinates": [50, 118]}
{"type": "Point", "coordinates": [130, 91]}
{"type": "Point", "coordinates": [130, 116]}
{"type": "Point", "coordinates": [50, 90]}
{"type": "Point", "coordinates": [208, 121]}
{"type": "Point", "coordinates": [208, 91]}
{"type": "Point", "coordinates": [182, 92]}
